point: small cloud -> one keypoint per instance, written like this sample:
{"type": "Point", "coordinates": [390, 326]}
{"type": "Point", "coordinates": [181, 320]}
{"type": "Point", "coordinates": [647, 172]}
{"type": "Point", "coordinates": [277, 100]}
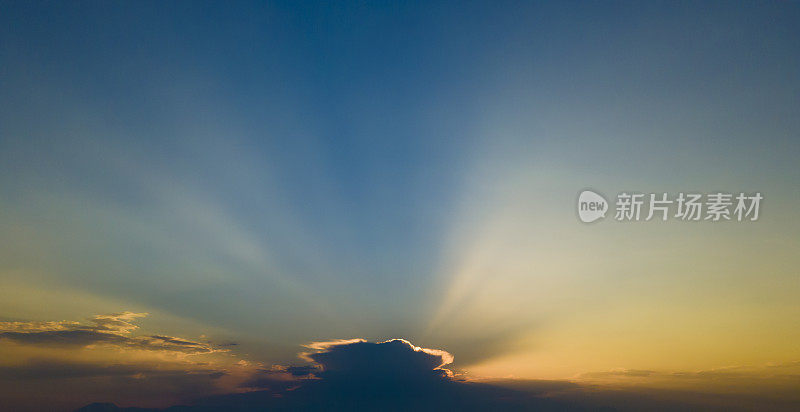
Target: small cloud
{"type": "Point", "coordinates": [301, 370]}
{"type": "Point", "coordinates": [279, 377]}
{"type": "Point", "coordinates": [216, 375]}
{"type": "Point", "coordinates": [117, 323]}
{"type": "Point", "coordinates": [619, 372]}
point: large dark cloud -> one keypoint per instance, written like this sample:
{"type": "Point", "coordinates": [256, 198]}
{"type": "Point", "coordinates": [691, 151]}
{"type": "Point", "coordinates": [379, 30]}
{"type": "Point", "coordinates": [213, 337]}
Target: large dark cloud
{"type": "Point", "coordinates": [395, 359]}
{"type": "Point", "coordinates": [393, 362]}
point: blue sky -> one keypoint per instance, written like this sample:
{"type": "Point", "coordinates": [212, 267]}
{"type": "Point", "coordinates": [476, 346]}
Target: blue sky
{"type": "Point", "coordinates": [279, 173]}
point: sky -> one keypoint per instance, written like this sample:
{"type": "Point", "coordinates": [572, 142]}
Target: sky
{"type": "Point", "coordinates": [249, 178]}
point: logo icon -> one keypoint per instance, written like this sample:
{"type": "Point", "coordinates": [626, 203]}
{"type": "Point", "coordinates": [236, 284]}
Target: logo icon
{"type": "Point", "coordinates": [591, 206]}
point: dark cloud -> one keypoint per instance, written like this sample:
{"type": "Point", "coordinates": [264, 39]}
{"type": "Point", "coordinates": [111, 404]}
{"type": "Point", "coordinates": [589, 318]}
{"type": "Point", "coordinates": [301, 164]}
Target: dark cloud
{"type": "Point", "coordinates": [55, 385]}
{"type": "Point", "coordinates": [280, 378]}
{"type": "Point", "coordinates": [395, 362]}
{"type": "Point", "coordinates": [216, 375]}
{"type": "Point", "coordinates": [63, 337]}
{"type": "Point", "coordinates": [394, 359]}
{"type": "Point", "coordinates": [57, 369]}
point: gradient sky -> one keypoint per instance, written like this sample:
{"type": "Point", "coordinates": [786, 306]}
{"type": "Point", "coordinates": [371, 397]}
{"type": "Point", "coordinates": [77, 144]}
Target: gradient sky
{"type": "Point", "coordinates": [276, 174]}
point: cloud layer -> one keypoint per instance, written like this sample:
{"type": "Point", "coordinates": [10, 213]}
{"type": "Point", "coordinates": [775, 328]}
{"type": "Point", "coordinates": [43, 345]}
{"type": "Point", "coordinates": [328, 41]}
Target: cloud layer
{"type": "Point", "coordinates": [57, 365]}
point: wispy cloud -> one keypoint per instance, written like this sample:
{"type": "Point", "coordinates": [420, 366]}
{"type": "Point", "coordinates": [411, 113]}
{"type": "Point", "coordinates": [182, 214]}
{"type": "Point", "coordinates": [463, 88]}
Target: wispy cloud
{"type": "Point", "coordinates": [112, 329]}
{"type": "Point", "coordinates": [789, 370]}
